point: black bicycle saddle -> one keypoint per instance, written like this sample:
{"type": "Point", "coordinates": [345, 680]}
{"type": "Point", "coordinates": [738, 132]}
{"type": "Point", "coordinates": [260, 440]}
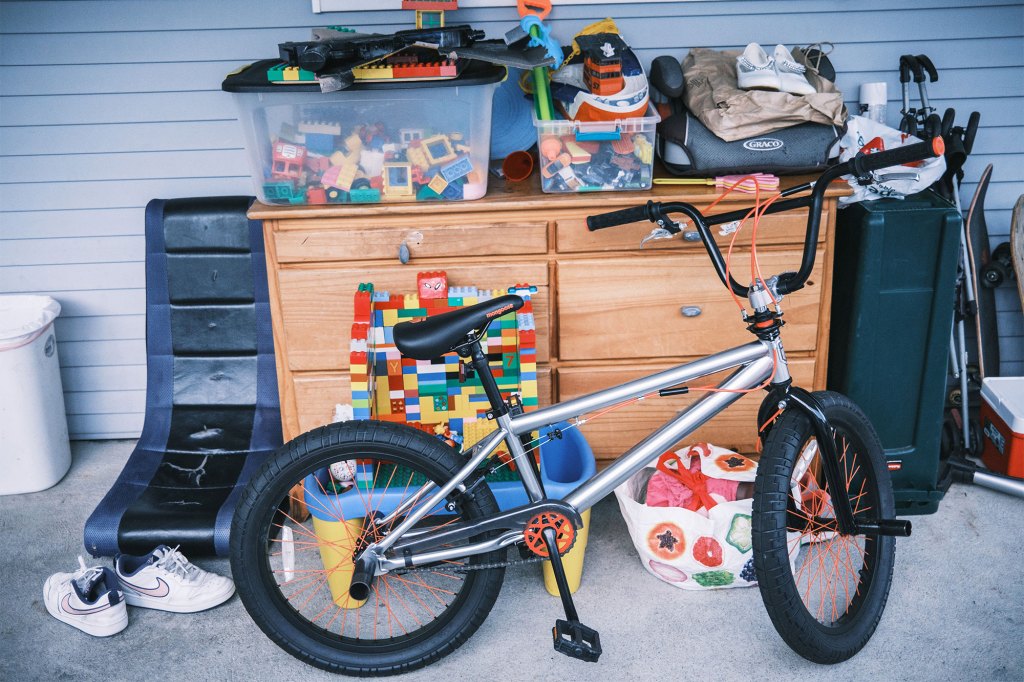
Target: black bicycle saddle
{"type": "Point", "coordinates": [435, 336]}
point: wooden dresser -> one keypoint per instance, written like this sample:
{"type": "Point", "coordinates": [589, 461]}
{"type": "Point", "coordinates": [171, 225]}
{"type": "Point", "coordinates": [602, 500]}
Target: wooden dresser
{"type": "Point", "coordinates": [606, 312]}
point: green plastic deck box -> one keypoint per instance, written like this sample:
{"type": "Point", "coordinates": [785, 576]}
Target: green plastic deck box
{"type": "Point", "coordinates": [892, 314]}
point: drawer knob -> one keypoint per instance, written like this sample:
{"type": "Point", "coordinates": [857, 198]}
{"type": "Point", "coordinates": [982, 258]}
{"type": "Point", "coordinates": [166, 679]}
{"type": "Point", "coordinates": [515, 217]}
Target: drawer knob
{"type": "Point", "coordinates": [403, 253]}
{"type": "Point", "coordinates": [691, 310]}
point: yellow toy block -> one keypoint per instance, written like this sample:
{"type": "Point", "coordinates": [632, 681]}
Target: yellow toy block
{"type": "Point", "coordinates": [417, 157]}
{"type": "Point", "coordinates": [437, 184]}
{"type": "Point", "coordinates": [373, 72]}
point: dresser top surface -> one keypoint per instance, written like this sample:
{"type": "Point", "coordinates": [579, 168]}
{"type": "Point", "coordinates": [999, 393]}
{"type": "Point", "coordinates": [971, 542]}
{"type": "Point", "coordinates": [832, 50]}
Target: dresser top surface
{"type": "Point", "coordinates": [525, 196]}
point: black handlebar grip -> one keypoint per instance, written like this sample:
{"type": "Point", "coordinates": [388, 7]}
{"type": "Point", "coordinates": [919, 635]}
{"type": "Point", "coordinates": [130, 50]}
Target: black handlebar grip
{"type": "Point", "coordinates": [624, 217]}
{"type": "Point", "coordinates": [862, 164]}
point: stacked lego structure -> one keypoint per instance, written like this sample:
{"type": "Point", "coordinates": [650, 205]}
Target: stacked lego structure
{"type": "Point", "coordinates": [441, 396]}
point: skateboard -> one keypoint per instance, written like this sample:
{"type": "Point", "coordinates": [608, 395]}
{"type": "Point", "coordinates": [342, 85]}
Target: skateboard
{"type": "Point", "coordinates": [979, 254]}
{"type": "Point", "coordinates": [1017, 245]}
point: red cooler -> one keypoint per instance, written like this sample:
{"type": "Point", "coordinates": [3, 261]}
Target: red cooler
{"type": "Point", "coordinates": [1002, 425]}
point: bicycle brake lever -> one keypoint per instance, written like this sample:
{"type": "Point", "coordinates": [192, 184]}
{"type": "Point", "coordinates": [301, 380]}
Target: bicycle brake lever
{"type": "Point", "coordinates": [656, 233]}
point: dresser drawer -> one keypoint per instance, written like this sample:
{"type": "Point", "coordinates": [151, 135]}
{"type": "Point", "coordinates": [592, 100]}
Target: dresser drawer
{"type": "Point", "coordinates": [650, 306]}
{"type": "Point", "coordinates": [613, 433]}
{"type": "Point", "coordinates": [322, 240]}
{"type": "Point", "coordinates": [316, 304]}
{"type": "Point", "coordinates": [572, 235]}
{"type": "Point", "coordinates": [317, 394]}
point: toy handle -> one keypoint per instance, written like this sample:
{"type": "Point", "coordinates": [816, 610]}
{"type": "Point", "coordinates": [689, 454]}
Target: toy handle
{"type": "Point", "coordinates": [540, 8]}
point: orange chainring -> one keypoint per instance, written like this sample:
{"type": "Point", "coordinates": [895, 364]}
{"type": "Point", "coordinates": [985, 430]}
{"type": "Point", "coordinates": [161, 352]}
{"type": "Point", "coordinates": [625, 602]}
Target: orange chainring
{"type": "Point", "coordinates": [565, 533]}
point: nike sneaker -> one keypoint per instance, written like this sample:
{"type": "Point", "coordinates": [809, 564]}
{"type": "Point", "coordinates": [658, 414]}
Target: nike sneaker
{"type": "Point", "coordinates": [164, 579]}
{"type": "Point", "coordinates": [88, 599]}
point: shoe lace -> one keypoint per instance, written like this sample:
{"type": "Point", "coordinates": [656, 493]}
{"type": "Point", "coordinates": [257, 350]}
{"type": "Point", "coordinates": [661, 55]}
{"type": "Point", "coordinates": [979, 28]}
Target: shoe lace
{"type": "Point", "coordinates": [173, 561]}
{"type": "Point", "coordinates": [85, 576]}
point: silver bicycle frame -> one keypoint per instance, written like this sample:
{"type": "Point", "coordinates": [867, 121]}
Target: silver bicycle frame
{"type": "Point", "coordinates": [753, 362]}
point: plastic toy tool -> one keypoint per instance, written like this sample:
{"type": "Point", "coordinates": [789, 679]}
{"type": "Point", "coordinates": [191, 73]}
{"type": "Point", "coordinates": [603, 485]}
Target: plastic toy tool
{"type": "Point", "coordinates": [533, 12]}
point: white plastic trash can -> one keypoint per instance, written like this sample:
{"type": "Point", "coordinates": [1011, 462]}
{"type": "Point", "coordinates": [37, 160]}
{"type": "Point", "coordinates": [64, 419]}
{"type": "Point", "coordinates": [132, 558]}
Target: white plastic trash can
{"type": "Point", "coordinates": [34, 448]}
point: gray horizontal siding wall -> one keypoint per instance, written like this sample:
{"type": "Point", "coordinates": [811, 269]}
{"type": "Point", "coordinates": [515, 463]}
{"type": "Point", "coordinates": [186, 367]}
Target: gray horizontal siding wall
{"type": "Point", "coordinates": [107, 104]}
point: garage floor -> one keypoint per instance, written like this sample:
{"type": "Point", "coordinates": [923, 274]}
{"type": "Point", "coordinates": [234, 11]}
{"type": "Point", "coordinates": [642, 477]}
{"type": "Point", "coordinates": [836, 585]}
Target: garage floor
{"type": "Point", "coordinates": [956, 609]}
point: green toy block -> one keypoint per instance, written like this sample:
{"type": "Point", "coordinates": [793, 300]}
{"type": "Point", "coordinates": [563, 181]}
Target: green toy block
{"type": "Point", "coordinates": [440, 403]}
{"type": "Point", "coordinates": [364, 196]}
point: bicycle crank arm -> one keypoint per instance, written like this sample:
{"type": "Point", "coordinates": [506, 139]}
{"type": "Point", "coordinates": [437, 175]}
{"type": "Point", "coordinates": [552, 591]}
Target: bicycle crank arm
{"type": "Point", "coordinates": [513, 519]}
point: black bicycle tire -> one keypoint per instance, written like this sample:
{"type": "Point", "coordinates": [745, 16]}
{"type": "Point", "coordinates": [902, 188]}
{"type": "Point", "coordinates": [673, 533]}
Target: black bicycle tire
{"type": "Point", "coordinates": [786, 609]}
{"type": "Point", "coordinates": [248, 535]}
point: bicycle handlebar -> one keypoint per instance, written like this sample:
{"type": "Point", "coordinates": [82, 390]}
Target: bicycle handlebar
{"type": "Point", "coordinates": [860, 166]}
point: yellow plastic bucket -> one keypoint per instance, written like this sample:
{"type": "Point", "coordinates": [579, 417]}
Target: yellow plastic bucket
{"type": "Point", "coordinates": [337, 540]}
{"type": "Point", "coordinates": [571, 562]}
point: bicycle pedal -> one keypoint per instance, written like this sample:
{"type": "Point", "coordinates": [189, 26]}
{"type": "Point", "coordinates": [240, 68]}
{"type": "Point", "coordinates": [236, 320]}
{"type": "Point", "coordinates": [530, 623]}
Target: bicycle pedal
{"type": "Point", "coordinates": [576, 640]}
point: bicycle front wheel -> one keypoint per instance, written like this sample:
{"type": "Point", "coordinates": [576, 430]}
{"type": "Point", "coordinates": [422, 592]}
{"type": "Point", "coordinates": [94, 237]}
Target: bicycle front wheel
{"type": "Point", "coordinates": [824, 591]}
{"type": "Point", "coordinates": [299, 524]}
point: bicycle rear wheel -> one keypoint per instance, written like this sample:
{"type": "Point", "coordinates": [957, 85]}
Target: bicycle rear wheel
{"type": "Point", "coordinates": [293, 575]}
{"type": "Point", "coordinates": [824, 591]}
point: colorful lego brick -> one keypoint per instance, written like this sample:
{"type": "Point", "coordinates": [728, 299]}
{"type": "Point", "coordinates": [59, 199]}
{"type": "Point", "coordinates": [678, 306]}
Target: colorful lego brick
{"type": "Point", "coordinates": [432, 285]}
{"type": "Point", "coordinates": [282, 73]}
{"type": "Point", "coordinates": [453, 192]}
{"type": "Point", "coordinates": [316, 195]}
{"type": "Point", "coordinates": [320, 143]}
{"type": "Point", "coordinates": [438, 149]}
{"type": "Point", "coordinates": [458, 168]}
{"type": "Point", "coordinates": [375, 71]}
{"type": "Point", "coordinates": [364, 196]}
{"type": "Point", "coordinates": [397, 179]}
{"type": "Point", "coordinates": [577, 154]}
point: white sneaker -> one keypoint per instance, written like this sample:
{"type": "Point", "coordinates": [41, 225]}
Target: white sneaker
{"type": "Point", "coordinates": [755, 70]}
{"type": "Point", "coordinates": [792, 74]}
{"type": "Point", "coordinates": [88, 599]}
{"type": "Point", "coordinates": [164, 579]}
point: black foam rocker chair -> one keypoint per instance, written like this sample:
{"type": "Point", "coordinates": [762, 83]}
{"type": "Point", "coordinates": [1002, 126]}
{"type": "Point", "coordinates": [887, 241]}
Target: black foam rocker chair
{"type": "Point", "coordinates": [212, 412]}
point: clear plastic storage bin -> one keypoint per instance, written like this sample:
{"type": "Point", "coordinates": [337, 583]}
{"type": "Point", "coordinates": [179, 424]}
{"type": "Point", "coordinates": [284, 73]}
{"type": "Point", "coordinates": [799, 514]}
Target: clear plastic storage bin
{"type": "Point", "coordinates": [595, 156]}
{"type": "Point", "coordinates": [372, 142]}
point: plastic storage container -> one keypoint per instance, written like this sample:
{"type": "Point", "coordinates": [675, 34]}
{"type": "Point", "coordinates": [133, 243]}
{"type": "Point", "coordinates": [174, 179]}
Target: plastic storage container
{"type": "Point", "coordinates": [34, 449]}
{"type": "Point", "coordinates": [384, 141]}
{"type": "Point", "coordinates": [1002, 424]}
{"type": "Point", "coordinates": [595, 156]}
{"type": "Point", "coordinates": [892, 309]}
{"type": "Point", "coordinates": [565, 463]}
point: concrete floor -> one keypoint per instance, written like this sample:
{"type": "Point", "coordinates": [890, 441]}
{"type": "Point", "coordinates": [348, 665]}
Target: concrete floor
{"type": "Point", "coordinates": [956, 610]}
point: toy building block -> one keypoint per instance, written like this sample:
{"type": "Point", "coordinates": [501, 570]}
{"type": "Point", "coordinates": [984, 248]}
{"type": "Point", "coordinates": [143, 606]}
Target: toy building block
{"type": "Point", "coordinates": [282, 73]}
{"type": "Point", "coordinates": [372, 162]}
{"type": "Point", "coordinates": [458, 168]}
{"type": "Point", "coordinates": [577, 154]}
{"type": "Point", "coordinates": [336, 196]}
{"type": "Point", "coordinates": [316, 195]}
{"type": "Point", "coordinates": [437, 184]}
{"type": "Point", "coordinates": [416, 155]}
{"type": "Point", "coordinates": [321, 127]}
{"type": "Point", "coordinates": [342, 177]}
{"type": "Point", "coordinates": [317, 163]}
{"type": "Point", "coordinates": [453, 192]}
{"type": "Point", "coordinates": [432, 285]}
{"type": "Point", "coordinates": [364, 196]}
{"type": "Point", "coordinates": [643, 149]}
{"type": "Point", "coordinates": [623, 145]}
{"type": "Point", "coordinates": [397, 179]}
{"type": "Point", "coordinates": [437, 149]}
{"type": "Point", "coordinates": [320, 143]}
{"type": "Point", "coordinates": [407, 135]}
{"type": "Point", "coordinates": [287, 160]}
{"type": "Point", "coordinates": [375, 71]}
{"type": "Point", "coordinates": [425, 193]}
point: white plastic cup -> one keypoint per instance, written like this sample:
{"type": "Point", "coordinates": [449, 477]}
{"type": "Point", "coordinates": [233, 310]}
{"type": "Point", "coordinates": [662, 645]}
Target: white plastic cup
{"type": "Point", "coordinates": [873, 98]}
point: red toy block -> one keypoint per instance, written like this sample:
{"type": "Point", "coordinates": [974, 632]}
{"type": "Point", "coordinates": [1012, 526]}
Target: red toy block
{"type": "Point", "coordinates": [316, 195]}
{"type": "Point", "coordinates": [357, 358]}
{"type": "Point", "coordinates": [432, 285]}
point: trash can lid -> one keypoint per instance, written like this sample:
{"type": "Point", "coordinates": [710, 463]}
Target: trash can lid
{"type": "Point", "coordinates": [22, 315]}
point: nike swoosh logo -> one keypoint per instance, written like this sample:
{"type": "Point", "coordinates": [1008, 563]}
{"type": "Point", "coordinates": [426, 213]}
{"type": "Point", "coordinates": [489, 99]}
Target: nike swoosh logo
{"type": "Point", "coordinates": [66, 607]}
{"type": "Point", "coordinates": [162, 589]}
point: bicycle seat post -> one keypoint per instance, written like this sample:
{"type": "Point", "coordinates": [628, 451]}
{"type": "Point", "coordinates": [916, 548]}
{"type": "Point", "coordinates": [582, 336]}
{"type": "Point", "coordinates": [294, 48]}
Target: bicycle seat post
{"type": "Point", "coordinates": [478, 358]}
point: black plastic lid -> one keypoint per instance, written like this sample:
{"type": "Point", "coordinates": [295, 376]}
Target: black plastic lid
{"type": "Point", "coordinates": [253, 78]}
